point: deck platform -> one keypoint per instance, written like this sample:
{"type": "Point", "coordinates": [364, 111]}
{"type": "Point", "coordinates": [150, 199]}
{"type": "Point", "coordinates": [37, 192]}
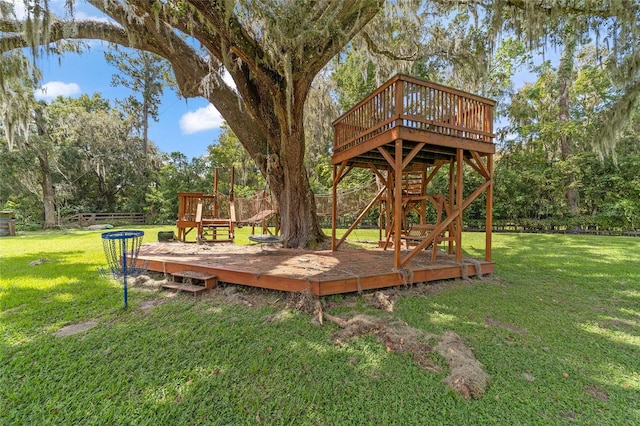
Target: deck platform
{"type": "Point", "coordinates": [320, 272]}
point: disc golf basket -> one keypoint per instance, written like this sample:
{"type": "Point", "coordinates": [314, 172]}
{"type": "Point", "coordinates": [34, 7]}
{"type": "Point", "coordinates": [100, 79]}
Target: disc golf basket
{"type": "Point", "coordinates": [121, 250]}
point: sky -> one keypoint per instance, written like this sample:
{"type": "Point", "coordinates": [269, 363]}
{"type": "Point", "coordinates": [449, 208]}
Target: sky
{"type": "Point", "coordinates": [187, 126]}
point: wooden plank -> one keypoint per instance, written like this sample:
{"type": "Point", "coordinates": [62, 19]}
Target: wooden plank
{"type": "Point", "coordinates": [446, 89]}
{"type": "Point", "coordinates": [431, 139]}
{"type": "Point", "coordinates": [334, 203]}
{"type": "Point", "coordinates": [416, 149]}
{"type": "Point", "coordinates": [438, 139]}
{"type": "Point", "coordinates": [186, 288]}
{"type": "Point", "coordinates": [393, 279]}
{"type": "Point", "coordinates": [367, 99]}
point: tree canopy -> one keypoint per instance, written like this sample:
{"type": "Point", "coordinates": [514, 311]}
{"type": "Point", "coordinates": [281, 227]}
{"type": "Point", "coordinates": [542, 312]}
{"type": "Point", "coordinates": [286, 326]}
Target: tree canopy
{"type": "Point", "coordinates": [274, 50]}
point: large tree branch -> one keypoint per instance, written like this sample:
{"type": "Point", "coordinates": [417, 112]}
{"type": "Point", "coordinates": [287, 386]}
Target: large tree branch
{"type": "Point", "coordinates": [230, 34]}
{"type": "Point", "coordinates": [602, 9]}
{"type": "Point", "coordinates": [353, 16]}
{"type": "Point", "coordinates": [374, 48]}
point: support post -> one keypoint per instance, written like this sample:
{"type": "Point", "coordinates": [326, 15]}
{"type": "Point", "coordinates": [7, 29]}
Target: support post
{"type": "Point", "coordinates": [459, 184]}
{"type": "Point", "coordinates": [489, 210]}
{"type": "Point", "coordinates": [452, 195]}
{"type": "Point", "coordinates": [423, 192]}
{"type": "Point", "coordinates": [334, 207]}
{"type": "Point", "coordinates": [215, 192]}
{"type": "Point", "coordinates": [397, 205]}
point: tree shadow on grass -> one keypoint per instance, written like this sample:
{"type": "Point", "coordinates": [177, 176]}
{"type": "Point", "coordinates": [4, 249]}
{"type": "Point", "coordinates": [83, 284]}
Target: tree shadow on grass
{"type": "Point", "coordinates": [577, 297]}
{"type": "Point", "coordinates": [47, 289]}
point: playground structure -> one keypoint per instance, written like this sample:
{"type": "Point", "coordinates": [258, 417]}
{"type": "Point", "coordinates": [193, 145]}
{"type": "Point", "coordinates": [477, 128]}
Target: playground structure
{"type": "Point", "coordinates": [203, 213]}
{"type": "Point", "coordinates": [405, 132]}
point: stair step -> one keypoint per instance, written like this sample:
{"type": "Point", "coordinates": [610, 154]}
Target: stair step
{"type": "Point", "coordinates": [197, 279]}
{"type": "Point", "coordinates": [187, 288]}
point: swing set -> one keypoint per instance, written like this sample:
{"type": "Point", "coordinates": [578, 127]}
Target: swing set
{"type": "Point", "coordinates": [204, 213]}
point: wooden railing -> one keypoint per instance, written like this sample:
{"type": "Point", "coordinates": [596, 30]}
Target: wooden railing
{"type": "Point", "coordinates": [84, 219]}
{"type": "Point", "coordinates": [417, 104]}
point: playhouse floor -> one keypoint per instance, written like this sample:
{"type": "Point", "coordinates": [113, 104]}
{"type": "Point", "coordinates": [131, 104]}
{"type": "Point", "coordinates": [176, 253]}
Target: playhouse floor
{"type": "Point", "coordinates": [320, 272]}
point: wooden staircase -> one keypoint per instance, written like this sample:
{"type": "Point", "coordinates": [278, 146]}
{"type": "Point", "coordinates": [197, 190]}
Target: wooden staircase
{"type": "Point", "coordinates": [194, 283]}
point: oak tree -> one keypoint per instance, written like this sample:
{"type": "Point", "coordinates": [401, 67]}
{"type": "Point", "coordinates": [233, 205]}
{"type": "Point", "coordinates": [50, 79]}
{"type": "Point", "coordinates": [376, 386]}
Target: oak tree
{"type": "Point", "coordinates": [274, 49]}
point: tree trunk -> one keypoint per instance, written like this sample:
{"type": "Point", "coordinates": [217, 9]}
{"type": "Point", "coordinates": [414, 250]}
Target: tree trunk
{"type": "Point", "coordinates": [289, 184]}
{"type": "Point", "coordinates": [47, 192]}
{"type": "Point", "coordinates": [565, 78]}
{"type": "Point", "coordinates": [145, 125]}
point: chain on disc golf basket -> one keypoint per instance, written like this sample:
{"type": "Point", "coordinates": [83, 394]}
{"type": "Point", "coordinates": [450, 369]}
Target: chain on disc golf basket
{"type": "Point", "coordinates": [121, 250]}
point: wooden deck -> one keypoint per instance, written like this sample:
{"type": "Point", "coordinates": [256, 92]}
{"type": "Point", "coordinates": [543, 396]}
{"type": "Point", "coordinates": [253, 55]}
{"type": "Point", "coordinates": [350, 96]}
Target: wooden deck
{"type": "Point", "coordinates": [320, 272]}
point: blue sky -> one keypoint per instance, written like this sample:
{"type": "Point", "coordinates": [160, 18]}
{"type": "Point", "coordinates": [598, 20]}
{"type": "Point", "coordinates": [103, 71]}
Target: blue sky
{"type": "Point", "coordinates": [187, 126]}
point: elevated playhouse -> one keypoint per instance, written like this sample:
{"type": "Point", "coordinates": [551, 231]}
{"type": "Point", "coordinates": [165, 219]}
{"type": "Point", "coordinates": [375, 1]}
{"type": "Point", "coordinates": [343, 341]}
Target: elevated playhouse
{"type": "Point", "coordinates": [405, 132]}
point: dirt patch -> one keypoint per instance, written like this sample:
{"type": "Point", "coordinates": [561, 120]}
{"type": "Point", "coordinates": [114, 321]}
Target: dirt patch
{"type": "Point", "coordinates": [597, 393]}
{"type": "Point", "coordinates": [234, 296]}
{"type": "Point", "coordinates": [304, 302]}
{"type": "Point", "coordinates": [382, 300]}
{"type": "Point", "coordinates": [149, 304]}
{"type": "Point", "coordinates": [146, 281]}
{"type": "Point", "coordinates": [396, 336]}
{"type": "Point", "coordinates": [467, 376]}
{"type": "Point", "coordinates": [495, 323]}
{"type": "Point", "coordinates": [75, 328]}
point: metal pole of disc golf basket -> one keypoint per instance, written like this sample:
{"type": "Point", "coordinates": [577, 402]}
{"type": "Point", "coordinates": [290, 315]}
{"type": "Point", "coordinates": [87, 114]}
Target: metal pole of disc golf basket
{"type": "Point", "coordinates": [121, 250]}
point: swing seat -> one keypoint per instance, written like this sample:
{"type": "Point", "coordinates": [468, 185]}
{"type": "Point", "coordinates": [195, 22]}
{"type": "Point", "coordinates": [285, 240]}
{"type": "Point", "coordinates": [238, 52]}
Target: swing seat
{"type": "Point", "coordinates": [265, 239]}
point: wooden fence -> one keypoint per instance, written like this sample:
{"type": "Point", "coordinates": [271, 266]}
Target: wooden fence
{"type": "Point", "coordinates": [87, 219]}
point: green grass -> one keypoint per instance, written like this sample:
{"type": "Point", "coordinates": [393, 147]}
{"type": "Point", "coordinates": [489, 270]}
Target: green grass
{"type": "Point", "coordinates": [557, 328]}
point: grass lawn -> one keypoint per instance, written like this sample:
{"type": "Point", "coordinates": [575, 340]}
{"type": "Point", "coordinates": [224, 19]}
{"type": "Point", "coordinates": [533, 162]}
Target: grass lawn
{"type": "Point", "coordinates": [557, 328]}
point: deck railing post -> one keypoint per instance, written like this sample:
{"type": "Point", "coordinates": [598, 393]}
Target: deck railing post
{"type": "Point", "coordinates": [399, 107]}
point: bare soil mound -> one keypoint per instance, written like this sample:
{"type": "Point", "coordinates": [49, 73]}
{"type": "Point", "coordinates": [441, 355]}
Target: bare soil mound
{"type": "Point", "coordinates": [467, 376]}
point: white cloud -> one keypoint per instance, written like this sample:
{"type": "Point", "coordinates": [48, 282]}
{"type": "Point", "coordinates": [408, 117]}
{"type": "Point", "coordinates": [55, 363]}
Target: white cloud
{"type": "Point", "coordinates": [53, 89]}
{"type": "Point", "coordinates": [200, 120]}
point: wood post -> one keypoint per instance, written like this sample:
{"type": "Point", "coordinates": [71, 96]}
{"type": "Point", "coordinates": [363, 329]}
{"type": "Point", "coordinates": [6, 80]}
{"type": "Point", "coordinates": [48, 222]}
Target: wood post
{"type": "Point", "coordinates": [452, 194]}
{"type": "Point", "coordinates": [459, 185]}
{"type": "Point", "coordinates": [397, 205]}
{"type": "Point", "coordinates": [334, 207]}
{"type": "Point", "coordinates": [489, 210]}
